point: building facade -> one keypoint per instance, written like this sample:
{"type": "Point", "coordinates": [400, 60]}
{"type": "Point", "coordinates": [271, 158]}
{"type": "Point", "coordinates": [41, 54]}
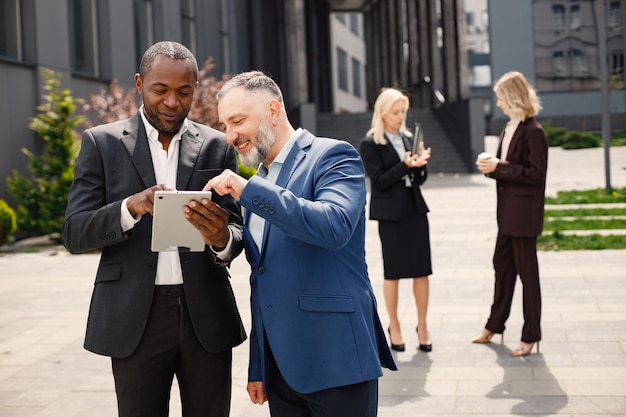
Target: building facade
{"type": "Point", "coordinates": [556, 44]}
{"type": "Point", "coordinates": [349, 63]}
{"type": "Point", "coordinates": [92, 42]}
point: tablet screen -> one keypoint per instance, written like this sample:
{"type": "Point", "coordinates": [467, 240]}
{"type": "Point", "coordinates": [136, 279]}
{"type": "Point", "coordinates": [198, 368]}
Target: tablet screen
{"type": "Point", "coordinates": [170, 229]}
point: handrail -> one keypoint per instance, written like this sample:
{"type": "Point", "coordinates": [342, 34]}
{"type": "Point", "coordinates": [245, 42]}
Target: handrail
{"type": "Point", "coordinates": [436, 93]}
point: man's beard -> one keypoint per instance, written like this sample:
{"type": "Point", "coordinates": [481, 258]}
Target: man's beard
{"type": "Point", "coordinates": [264, 140]}
{"type": "Point", "coordinates": [158, 125]}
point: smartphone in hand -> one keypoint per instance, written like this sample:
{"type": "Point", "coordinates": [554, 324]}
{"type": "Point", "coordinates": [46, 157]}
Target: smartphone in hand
{"type": "Point", "coordinates": [418, 138]}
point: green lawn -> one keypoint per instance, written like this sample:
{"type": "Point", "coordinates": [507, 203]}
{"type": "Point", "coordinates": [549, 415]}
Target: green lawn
{"type": "Point", "coordinates": [580, 218]}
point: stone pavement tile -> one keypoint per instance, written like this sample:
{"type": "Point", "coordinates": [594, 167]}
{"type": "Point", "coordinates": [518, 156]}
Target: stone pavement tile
{"type": "Point", "coordinates": [22, 411]}
{"type": "Point", "coordinates": [512, 387]}
{"type": "Point", "coordinates": [399, 405]}
{"type": "Point", "coordinates": [82, 404]}
{"type": "Point", "coordinates": [596, 387]}
{"type": "Point", "coordinates": [505, 403]}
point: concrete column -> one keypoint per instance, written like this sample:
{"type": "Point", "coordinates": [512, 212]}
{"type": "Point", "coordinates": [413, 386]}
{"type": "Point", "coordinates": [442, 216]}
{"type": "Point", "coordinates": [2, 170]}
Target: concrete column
{"type": "Point", "coordinates": [296, 49]}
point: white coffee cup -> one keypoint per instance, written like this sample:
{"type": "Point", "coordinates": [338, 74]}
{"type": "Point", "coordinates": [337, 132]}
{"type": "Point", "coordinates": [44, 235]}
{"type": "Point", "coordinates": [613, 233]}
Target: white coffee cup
{"type": "Point", "coordinates": [483, 156]}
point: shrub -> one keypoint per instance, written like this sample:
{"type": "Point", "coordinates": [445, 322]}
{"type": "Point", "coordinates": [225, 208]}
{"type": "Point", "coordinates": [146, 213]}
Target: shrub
{"type": "Point", "coordinates": [8, 222]}
{"type": "Point", "coordinates": [579, 140]}
{"type": "Point", "coordinates": [554, 135]}
{"type": "Point", "coordinates": [41, 198]}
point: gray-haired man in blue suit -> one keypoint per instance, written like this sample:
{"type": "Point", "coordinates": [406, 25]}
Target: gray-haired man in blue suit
{"type": "Point", "coordinates": [317, 347]}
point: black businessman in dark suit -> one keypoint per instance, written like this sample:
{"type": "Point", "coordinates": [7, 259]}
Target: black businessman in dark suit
{"type": "Point", "coordinates": [158, 314]}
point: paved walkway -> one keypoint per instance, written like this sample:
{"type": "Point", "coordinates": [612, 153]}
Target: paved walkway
{"type": "Point", "coordinates": [581, 371]}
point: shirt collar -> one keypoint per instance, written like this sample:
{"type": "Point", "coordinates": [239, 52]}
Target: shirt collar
{"type": "Point", "coordinates": [282, 155]}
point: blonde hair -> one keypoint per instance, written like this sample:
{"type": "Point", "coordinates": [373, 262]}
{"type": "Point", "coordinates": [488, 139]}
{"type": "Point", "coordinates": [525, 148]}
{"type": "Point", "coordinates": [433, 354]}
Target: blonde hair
{"type": "Point", "coordinates": [385, 100]}
{"type": "Point", "coordinates": [518, 95]}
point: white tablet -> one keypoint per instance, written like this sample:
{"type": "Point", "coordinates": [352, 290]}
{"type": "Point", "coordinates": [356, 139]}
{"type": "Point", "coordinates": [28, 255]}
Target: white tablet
{"type": "Point", "coordinates": [170, 228]}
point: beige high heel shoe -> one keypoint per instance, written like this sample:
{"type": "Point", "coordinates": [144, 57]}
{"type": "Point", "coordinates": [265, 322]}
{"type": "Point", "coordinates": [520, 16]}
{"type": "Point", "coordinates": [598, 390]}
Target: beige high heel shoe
{"type": "Point", "coordinates": [486, 336]}
{"type": "Point", "coordinates": [525, 349]}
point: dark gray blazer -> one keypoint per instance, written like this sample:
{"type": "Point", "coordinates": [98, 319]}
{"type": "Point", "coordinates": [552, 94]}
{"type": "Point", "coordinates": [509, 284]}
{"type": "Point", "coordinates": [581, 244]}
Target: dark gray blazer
{"type": "Point", "coordinates": [115, 162]}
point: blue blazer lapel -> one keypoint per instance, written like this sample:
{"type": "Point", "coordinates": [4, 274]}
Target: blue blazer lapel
{"type": "Point", "coordinates": [295, 157]}
{"type": "Point", "coordinates": [135, 141]}
{"type": "Point", "coordinates": [292, 161]}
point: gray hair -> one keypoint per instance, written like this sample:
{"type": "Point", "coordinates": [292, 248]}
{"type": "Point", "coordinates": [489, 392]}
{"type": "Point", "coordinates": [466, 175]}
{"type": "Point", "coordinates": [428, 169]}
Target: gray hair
{"type": "Point", "coordinates": [172, 50]}
{"type": "Point", "coordinates": [253, 81]}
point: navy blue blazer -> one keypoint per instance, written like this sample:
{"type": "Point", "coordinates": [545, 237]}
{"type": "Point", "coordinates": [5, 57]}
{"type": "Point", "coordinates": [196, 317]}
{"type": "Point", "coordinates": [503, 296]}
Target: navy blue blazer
{"type": "Point", "coordinates": [114, 163]}
{"type": "Point", "coordinates": [310, 290]}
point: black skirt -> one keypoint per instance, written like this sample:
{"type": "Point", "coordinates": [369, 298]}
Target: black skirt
{"type": "Point", "coordinates": [406, 246]}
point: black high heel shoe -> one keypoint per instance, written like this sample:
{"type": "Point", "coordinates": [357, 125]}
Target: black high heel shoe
{"type": "Point", "coordinates": [422, 347]}
{"type": "Point", "coordinates": [397, 348]}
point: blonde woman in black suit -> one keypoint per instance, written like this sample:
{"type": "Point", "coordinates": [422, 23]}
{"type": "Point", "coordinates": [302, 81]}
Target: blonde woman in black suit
{"type": "Point", "coordinates": [519, 169]}
{"type": "Point", "coordinates": [397, 203]}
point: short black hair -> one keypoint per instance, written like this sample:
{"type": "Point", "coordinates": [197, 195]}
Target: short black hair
{"type": "Point", "coordinates": [173, 50]}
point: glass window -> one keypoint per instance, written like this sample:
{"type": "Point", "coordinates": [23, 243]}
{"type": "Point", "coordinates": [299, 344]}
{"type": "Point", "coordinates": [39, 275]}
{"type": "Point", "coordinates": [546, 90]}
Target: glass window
{"type": "Point", "coordinates": [356, 77]}
{"type": "Point", "coordinates": [188, 19]}
{"type": "Point", "coordinates": [484, 18]}
{"type": "Point", "coordinates": [342, 69]}
{"type": "Point", "coordinates": [614, 15]}
{"type": "Point", "coordinates": [559, 64]}
{"type": "Point", "coordinates": [574, 18]}
{"type": "Point", "coordinates": [354, 23]}
{"type": "Point", "coordinates": [617, 62]}
{"type": "Point", "coordinates": [85, 39]}
{"type": "Point", "coordinates": [578, 61]}
{"type": "Point", "coordinates": [144, 27]}
{"type": "Point", "coordinates": [341, 17]}
{"type": "Point", "coordinates": [559, 18]}
{"type": "Point", "coordinates": [10, 30]}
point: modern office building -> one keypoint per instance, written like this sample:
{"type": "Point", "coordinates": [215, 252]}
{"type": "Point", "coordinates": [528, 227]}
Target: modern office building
{"type": "Point", "coordinates": [92, 42]}
{"type": "Point", "coordinates": [349, 63]}
{"type": "Point", "coordinates": [557, 44]}
{"type": "Point", "coordinates": [412, 44]}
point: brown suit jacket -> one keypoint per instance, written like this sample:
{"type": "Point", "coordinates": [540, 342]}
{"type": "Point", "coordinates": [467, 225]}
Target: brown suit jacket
{"type": "Point", "coordinates": [521, 181]}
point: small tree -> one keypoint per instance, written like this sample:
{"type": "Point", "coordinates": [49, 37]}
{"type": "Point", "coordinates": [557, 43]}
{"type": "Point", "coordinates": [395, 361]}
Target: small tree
{"type": "Point", "coordinates": [8, 222]}
{"type": "Point", "coordinates": [42, 197]}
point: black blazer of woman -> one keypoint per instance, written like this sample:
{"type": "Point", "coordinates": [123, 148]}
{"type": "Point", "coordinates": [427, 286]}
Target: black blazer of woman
{"type": "Point", "coordinates": [389, 199]}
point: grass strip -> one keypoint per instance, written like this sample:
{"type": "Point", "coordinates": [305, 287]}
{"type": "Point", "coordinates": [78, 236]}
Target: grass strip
{"type": "Point", "coordinates": [586, 212]}
{"type": "Point", "coordinates": [585, 224]}
{"type": "Point", "coordinates": [557, 242]}
{"type": "Point", "coordinates": [596, 196]}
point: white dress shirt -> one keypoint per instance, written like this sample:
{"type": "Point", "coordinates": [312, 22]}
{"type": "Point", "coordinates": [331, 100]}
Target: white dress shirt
{"type": "Point", "coordinates": [165, 164]}
{"type": "Point", "coordinates": [509, 130]}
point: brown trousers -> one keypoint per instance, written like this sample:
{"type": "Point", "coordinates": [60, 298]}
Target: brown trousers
{"type": "Point", "coordinates": [515, 256]}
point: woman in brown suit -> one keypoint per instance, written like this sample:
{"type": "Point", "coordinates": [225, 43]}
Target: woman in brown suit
{"type": "Point", "coordinates": [519, 169]}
